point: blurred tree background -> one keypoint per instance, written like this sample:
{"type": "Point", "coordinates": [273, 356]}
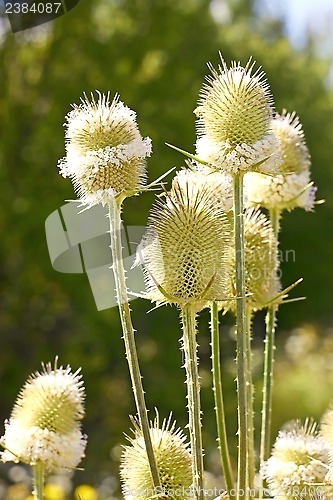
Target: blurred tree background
{"type": "Point", "coordinates": [154, 53]}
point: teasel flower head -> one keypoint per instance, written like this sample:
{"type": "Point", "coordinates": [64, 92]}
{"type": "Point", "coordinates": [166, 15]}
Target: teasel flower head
{"type": "Point", "coordinates": [234, 120]}
{"type": "Point", "coordinates": [105, 152]}
{"type": "Point", "coordinates": [45, 422]}
{"type": "Point", "coordinates": [298, 461]}
{"type": "Point", "coordinates": [292, 187]}
{"type": "Point", "coordinates": [173, 459]}
{"type": "Point", "coordinates": [261, 261]}
{"type": "Point", "coordinates": [185, 249]}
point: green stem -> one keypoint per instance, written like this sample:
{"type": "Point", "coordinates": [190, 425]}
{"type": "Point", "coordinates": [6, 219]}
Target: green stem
{"type": "Point", "coordinates": [188, 316]}
{"type": "Point", "coordinates": [38, 480]}
{"type": "Point", "coordinates": [218, 398]}
{"type": "Point", "coordinates": [128, 332]}
{"type": "Point", "coordinates": [250, 393]}
{"type": "Point", "coordinates": [265, 441]}
{"type": "Point", "coordinates": [241, 341]}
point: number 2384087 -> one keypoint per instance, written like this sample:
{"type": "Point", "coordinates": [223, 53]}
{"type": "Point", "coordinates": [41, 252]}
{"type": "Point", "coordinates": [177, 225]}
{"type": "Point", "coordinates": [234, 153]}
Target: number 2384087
{"type": "Point", "coordinates": [33, 8]}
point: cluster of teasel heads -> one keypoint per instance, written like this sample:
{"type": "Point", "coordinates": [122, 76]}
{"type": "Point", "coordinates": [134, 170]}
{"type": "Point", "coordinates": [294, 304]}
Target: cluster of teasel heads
{"type": "Point", "coordinates": [207, 245]}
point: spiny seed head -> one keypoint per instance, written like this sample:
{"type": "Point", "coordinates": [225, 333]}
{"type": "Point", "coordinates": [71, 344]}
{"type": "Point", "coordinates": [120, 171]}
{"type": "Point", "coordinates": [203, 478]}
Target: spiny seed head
{"type": "Point", "coordinates": [45, 421]}
{"type": "Point", "coordinates": [173, 460]}
{"type": "Point", "coordinates": [234, 119]}
{"type": "Point", "coordinates": [261, 261]}
{"type": "Point", "coordinates": [105, 151]}
{"type": "Point", "coordinates": [292, 187]}
{"type": "Point", "coordinates": [298, 459]}
{"type": "Point", "coordinates": [184, 251]}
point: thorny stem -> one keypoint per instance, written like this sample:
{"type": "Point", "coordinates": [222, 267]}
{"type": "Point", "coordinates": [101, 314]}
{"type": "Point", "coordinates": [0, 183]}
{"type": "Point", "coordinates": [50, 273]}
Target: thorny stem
{"type": "Point", "coordinates": [268, 365]}
{"type": "Point", "coordinates": [188, 316]}
{"type": "Point", "coordinates": [241, 341]}
{"type": "Point", "coordinates": [218, 398]}
{"type": "Point", "coordinates": [128, 332]}
{"type": "Point", "coordinates": [38, 480]}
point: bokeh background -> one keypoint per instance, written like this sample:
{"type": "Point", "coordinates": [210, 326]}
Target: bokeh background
{"type": "Point", "coordinates": [154, 53]}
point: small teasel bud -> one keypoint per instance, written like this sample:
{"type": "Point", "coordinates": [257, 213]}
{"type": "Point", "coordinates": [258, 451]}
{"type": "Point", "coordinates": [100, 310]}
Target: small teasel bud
{"type": "Point", "coordinates": [298, 462]}
{"type": "Point", "coordinates": [234, 120]}
{"type": "Point", "coordinates": [105, 152]}
{"type": "Point", "coordinates": [45, 422]}
{"type": "Point", "coordinates": [292, 187]}
{"type": "Point", "coordinates": [184, 251]}
{"type": "Point", "coordinates": [261, 261]}
{"type": "Point", "coordinates": [173, 459]}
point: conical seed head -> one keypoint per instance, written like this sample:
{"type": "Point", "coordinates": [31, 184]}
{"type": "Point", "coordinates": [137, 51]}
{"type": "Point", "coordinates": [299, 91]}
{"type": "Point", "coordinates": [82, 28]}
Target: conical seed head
{"type": "Point", "coordinates": [52, 399]}
{"type": "Point", "coordinates": [235, 106]}
{"type": "Point", "coordinates": [45, 421]}
{"type": "Point", "coordinates": [185, 249]}
{"type": "Point", "coordinates": [106, 154]}
{"type": "Point", "coordinates": [234, 120]}
{"type": "Point", "coordinates": [299, 459]}
{"type": "Point", "coordinates": [261, 260]}
{"type": "Point", "coordinates": [173, 460]}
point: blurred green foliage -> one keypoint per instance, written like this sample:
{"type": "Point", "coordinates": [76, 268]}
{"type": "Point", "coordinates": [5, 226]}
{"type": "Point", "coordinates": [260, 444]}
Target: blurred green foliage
{"type": "Point", "coordinates": [154, 53]}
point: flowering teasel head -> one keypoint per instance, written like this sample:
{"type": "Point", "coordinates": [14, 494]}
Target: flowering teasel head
{"type": "Point", "coordinates": [45, 422]}
{"type": "Point", "coordinates": [105, 152]}
{"type": "Point", "coordinates": [292, 187]}
{"type": "Point", "coordinates": [184, 251]}
{"type": "Point", "coordinates": [234, 120]}
{"type": "Point", "coordinates": [174, 463]}
{"type": "Point", "coordinates": [261, 261]}
{"type": "Point", "coordinates": [298, 462]}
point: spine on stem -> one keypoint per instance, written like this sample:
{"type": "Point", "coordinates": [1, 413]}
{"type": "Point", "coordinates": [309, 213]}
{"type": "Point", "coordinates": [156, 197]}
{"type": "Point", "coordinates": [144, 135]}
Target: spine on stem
{"type": "Point", "coordinates": [188, 316]}
{"type": "Point", "coordinates": [219, 404]}
{"type": "Point", "coordinates": [128, 332]}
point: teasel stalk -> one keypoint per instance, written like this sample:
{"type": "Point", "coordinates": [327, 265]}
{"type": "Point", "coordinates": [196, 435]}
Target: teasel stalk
{"type": "Point", "coordinates": [219, 403]}
{"type": "Point", "coordinates": [128, 331]}
{"type": "Point", "coordinates": [106, 160]}
{"type": "Point", "coordinates": [38, 480]}
{"type": "Point", "coordinates": [189, 345]}
{"type": "Point", "coordinates": [265, 439]}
